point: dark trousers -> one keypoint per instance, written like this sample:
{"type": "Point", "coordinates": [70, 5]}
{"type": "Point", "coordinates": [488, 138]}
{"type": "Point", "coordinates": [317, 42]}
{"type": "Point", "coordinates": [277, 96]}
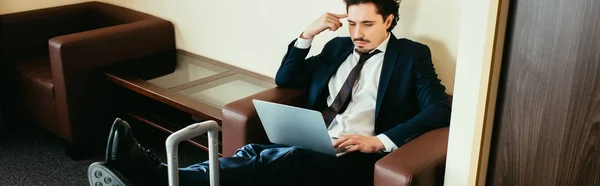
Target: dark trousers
{"type": "Point", "coordinates": [274, 164]}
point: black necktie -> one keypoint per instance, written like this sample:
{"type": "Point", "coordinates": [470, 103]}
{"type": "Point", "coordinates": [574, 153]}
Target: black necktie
{"type": "Point", "coordinates": [343, 98]}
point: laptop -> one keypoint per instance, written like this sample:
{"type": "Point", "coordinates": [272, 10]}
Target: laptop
{"type": "Point", "coordinates": [294, 126]}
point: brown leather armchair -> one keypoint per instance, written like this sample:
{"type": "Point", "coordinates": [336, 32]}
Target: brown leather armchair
{"type": "Point", "coordinates": [419, 162]}
{"type": "Point", "coordinates": [52, 61]}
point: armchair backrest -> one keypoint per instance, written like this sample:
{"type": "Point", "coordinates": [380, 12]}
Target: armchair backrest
{"type": "Point", "coordinates": [26, 34]}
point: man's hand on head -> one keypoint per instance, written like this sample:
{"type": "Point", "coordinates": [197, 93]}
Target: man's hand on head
{"type": "Point", "coordinates": [355, 142]}
{"type": "Point", "coordinates": [326, 21]}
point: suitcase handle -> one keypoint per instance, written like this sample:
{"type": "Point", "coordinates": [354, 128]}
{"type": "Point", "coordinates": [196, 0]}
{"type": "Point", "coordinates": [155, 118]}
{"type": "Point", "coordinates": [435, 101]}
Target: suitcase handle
{"type": "Point", "coordinates": [189, 132]}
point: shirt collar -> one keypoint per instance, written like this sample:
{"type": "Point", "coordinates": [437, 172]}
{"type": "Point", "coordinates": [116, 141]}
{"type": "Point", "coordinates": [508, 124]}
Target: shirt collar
{"type": "Point", "coordinates": [384, 44]}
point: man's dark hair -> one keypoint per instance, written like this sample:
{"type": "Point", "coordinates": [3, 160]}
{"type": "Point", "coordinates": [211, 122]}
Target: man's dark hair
{"type": "Point", "coordinates": [384, 7]}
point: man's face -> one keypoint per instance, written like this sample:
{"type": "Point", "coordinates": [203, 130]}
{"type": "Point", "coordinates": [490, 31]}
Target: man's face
{"type": "Point", "coordinates": [367, 28]}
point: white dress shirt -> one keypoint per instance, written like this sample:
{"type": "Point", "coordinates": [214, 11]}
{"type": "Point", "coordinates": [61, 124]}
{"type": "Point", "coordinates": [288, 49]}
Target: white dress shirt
{"type": "Point", "coordinates": [359, 116]}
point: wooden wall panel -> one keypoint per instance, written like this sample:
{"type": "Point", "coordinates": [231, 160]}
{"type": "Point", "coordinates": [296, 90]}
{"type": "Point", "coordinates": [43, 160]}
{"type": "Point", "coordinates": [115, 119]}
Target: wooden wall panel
{"type": "Point", "coordinates": [547, 127]}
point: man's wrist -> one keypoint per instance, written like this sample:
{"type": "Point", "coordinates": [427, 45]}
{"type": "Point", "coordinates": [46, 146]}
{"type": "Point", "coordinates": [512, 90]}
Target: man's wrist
{"type": "Point", "coordinates": [388, 144]}
{"type": "Point", "coordinates": [380, 145]}
{"type": "Point", "coordinates": [304, 35]}
{"type": "Point", "coordinates": [302, 43]}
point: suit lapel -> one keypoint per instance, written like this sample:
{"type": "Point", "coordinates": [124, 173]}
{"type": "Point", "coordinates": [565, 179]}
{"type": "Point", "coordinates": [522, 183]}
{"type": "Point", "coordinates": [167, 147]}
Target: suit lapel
{"type": "Point", "coordinates": [389, 62]}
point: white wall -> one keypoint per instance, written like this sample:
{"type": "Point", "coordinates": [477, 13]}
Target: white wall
{"type": "Point", "coordinates": [254, 34]}
{"type": "Point", "coordinates": [10, 6]}
{"type": "Point", "coordinates": [477, 74]}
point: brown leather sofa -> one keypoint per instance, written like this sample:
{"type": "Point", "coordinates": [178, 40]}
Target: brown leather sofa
{"type": "Point", "coordinates": [419, 162]}
{"type": "Point", "coordinates": [52, 60]}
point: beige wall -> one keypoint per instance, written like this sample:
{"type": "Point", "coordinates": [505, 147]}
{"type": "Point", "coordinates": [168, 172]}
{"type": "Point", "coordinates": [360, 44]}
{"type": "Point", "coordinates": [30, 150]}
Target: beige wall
{"type": "Point", "coordinates": [10, 6]}
{"type": "Point", "coordinates": [254, 34]}
{"type": "Point", "coordinates": [435, 23]}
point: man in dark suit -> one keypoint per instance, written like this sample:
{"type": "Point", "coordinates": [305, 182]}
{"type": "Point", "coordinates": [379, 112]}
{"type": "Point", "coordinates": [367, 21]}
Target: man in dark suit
{"type": "Point", "coordinates": [376, 93]}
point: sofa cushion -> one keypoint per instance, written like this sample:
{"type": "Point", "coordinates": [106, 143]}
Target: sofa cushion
{"type": "Point", "coordinates": [37, 71]}
{"type": "Point", "coordinates": [35, 92]}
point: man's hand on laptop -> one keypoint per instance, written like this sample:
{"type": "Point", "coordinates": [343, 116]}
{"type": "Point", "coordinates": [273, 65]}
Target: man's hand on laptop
{"type": "Point", "coordinates": [354, 142]}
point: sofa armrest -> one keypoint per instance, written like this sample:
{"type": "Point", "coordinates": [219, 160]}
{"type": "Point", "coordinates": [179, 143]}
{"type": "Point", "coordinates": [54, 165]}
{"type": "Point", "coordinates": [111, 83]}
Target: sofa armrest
{"type": "Point", "coordinates": [241, 124]}
{"type": "Point", "coordinates": [77, 59]}
{"type": "Point", "coordinates": [419, 162]}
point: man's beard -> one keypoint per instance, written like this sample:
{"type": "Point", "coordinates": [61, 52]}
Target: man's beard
{"type": "Point", "coordinates": [362, 49]}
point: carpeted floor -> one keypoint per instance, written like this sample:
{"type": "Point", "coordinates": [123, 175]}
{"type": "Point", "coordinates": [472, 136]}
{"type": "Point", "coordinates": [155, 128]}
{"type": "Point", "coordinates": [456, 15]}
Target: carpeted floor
{"type": "Point", "coordinates": [31, 156]}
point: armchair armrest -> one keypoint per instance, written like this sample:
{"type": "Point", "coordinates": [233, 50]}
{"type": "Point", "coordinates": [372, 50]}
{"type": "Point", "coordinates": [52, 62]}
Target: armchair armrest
{"type": "Point", "coordinates": [419, 162]}
{"type": "Point", "coordinates": [77, 58]}
{"type": "Point", "coordinates": [78, 52]}
{"type": "Point", "coordinates": [241, 124]}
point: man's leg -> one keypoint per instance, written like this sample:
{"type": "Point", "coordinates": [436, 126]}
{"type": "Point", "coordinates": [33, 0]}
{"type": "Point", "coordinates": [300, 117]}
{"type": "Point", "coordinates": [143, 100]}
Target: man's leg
{"type": "Point", "coordinates": [252, 165]}
{"type": "Point", "coordinates": [279, 165]}
{"type": "Point", "coordinates": [358, 168]}
{"type": "Point", "coordinates": [256, 164]}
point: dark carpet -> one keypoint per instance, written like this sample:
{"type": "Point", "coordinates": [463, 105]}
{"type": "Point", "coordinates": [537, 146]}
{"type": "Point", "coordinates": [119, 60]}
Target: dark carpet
{"type": "Point", "coordinates": [32, 156]}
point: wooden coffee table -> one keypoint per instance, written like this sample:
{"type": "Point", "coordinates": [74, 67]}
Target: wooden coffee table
{"type": "Point", "coordinates": [173, 94]}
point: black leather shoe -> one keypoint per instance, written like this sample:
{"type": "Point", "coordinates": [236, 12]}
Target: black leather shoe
{"type": "Point", "coordinates": [124, 153]}
{"type": "Point", "coordinates": [100, 174]}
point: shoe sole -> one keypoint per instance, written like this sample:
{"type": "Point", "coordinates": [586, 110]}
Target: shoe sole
{"type": "Point", "coordinates": [109, 144]}
{"type": "Point", "coordinates": [99, 174]}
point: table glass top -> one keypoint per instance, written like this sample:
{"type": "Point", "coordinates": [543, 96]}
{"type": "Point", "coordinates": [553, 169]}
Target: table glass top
{"type": "Point", "coordinates": [222, 91]}
{"type": "Point", "coordinates": [188, 69]}
{"type": "Point", "coordinates": [198, 79]}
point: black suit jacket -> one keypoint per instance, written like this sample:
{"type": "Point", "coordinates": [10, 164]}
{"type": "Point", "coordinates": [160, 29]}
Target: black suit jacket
{"type": "Point", "coordinates": [410, 98]}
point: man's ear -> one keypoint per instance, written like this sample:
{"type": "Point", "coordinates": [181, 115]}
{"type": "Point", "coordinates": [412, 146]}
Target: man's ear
{"type": "Point", "coordinates": [388, 21]}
